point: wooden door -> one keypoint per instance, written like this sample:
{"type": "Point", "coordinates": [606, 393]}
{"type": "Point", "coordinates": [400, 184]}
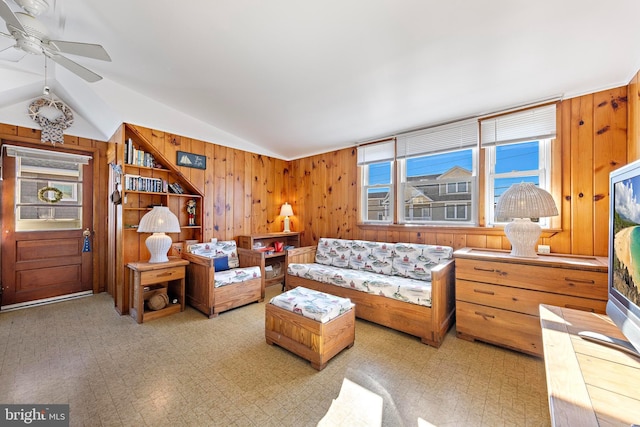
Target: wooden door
{"type": "Point", "coordinates": [39, 264]}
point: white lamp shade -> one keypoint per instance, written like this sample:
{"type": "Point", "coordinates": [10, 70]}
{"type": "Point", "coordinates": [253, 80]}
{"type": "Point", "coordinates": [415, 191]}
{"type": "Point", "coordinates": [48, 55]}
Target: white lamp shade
{"type": "Point", "coordinates": [158, 221]}
{"type": "Point", "coordinates": [525, 200]}
{"type": "Point", "coordinates": [522, 202]}
{"type": "Point", "coordinates": [286, 210]}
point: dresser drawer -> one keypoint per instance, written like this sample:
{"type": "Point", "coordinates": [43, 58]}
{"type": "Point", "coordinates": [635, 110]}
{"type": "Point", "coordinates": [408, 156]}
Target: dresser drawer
{"type": "Point", "coordinates": [521, 300]}
{"type": "Point", "coordinates": [162, 275]}
{"type": "Point", "coordinates": [581, 283]}
{"type": "Point", "coordinates": [505, 328]}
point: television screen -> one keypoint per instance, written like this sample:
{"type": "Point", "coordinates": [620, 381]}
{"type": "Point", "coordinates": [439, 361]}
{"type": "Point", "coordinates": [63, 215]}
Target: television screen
{"type": "Point", "coordinates": [624, 251]}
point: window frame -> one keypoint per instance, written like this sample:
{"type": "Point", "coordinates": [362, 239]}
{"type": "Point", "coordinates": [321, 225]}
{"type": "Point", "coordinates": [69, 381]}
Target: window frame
{"type": "Point", "coordinates": [472, 190]}
{"type": "Point", "coordinates": [543, 173]}
{"type": "Point", "coordinates": [531, 123]}
{"type": "Point", "coordinates": [365, 187]}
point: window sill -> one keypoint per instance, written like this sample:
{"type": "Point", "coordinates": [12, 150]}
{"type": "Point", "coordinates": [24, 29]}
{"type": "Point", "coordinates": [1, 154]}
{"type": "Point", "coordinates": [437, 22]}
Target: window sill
{"type": "Point", "coordinates": [475, 230]}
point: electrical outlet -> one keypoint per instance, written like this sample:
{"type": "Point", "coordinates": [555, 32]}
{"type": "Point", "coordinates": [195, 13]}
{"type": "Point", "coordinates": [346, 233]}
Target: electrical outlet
{"type": "Point", "coordinates": [544, 249]}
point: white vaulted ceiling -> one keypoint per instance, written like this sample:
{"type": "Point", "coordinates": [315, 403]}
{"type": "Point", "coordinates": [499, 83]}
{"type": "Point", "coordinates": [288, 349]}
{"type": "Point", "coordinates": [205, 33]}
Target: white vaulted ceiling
{"type": "Point", "coordinates": [291, 78]}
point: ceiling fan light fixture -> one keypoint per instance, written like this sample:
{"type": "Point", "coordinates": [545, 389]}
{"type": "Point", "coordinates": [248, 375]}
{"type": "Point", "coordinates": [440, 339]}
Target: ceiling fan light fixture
{"type": "Point", "coordinates": [30, 45]}
{"type": "Point", "coordinates": [32, 37]}
{"type": "Point", "coordinates": [33, 7]}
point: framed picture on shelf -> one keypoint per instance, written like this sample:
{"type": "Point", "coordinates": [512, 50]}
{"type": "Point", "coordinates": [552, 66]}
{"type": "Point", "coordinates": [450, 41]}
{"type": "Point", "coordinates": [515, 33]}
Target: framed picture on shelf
{"type": "Point", "coordinates": [191, 160]}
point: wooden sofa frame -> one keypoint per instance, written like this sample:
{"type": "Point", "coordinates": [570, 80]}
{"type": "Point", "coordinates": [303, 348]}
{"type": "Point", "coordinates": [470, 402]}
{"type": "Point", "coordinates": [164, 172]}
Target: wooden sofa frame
{"type": "Point", "coordinates": [430, 324]}
{"type": "Point", "coordinates": [205, 297]}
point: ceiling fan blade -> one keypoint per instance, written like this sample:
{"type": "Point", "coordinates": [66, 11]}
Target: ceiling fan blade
{"type": "Point", "coordinates": [88, 50]}
{"type": "Point", "coordinates": [74, 67]}
{"type": "Point", "coordinates": [12, 54]}
{"type": "Point", "coordinates": [9, 17]}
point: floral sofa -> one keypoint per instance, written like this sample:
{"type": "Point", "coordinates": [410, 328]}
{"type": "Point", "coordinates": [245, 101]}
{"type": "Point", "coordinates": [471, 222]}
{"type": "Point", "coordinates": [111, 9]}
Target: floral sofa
{"type": "Point", "coordinates": [221, 276]}
{"type": "Point", "coordinates": [405, 286]}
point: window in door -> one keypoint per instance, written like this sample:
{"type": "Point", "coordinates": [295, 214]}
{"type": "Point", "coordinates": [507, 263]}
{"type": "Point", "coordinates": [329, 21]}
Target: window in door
{"type": "Point", "coordinates": [48, 190]}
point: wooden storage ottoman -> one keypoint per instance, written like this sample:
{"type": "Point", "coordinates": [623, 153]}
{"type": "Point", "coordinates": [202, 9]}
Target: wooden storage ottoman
{"type": "Point", "coordinates": [311, 339]}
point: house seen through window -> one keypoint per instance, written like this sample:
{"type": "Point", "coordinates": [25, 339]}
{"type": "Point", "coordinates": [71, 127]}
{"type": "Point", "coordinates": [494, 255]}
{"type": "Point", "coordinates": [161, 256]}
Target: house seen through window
{"type": "Point", "coordinates": [434, 171]}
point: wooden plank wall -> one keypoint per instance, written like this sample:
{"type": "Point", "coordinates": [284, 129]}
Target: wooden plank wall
{"type": "Point", "coordinates": [591, 141]}
{"type": "Point", "coordinates": [98, 149]}
{"type": "Point", "coordinates": [243, 191]}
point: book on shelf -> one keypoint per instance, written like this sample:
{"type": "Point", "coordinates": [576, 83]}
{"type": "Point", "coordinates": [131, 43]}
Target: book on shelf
{"type": "Point", "coordinates": [141, 183]}
{"type": "Point", "coordinates": [136, 157]}
{"type": "Point", "coordinates": [176, 188]}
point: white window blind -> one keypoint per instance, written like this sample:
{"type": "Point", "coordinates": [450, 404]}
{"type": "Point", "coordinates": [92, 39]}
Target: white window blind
{"type": "Point", "coordinates": [34, 153]}
{"type": "Point", "coordinates": [453, 136]}
{"type": "Point", "coordinates": [536, 123]}
{"type": "Point", "coordinates": [376, 152]}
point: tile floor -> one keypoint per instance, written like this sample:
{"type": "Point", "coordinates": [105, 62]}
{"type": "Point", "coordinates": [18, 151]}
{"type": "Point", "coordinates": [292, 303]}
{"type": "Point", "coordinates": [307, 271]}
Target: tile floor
{"type": "Point", "coordinates": [187, 370]}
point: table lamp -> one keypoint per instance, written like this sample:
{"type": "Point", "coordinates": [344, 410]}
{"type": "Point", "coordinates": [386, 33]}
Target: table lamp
{"type": "Point", "coordinates": [286, 211]}
{"type": "Point", "coordinates": [158, 221]}
{"type": "Point", "coordinates": [521, 202]}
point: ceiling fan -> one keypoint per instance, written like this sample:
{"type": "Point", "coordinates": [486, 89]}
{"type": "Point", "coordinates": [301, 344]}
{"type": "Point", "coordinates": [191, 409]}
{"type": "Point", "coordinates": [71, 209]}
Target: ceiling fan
{"type": "Point", "coordinates": [32, 37]}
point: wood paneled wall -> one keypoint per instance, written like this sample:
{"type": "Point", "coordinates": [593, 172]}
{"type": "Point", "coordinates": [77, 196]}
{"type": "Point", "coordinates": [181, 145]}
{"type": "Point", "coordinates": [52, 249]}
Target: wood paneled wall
{"type": "Point", "coordinates": [591, 141]}
{"type": "Point", "coordinates": [633, 128]}
{"type": "Point", "coordinates": [243, 191]}
{"type": "Point", "coordinates": [31, 137]}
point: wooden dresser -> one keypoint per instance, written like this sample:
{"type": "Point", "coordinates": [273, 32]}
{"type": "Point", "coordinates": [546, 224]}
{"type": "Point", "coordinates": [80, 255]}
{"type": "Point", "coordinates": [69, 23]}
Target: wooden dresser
{"type": "Point", "coordinates": [497, 295]}
{"type": "Point", "coordinates": [589, 384]}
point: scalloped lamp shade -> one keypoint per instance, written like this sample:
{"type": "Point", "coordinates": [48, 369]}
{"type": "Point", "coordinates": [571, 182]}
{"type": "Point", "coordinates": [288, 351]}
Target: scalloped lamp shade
{"type": "Point", "coordinates": [521, 202]}
{"type": "Point", "coordinates": [286, 211]}
{"type": "Point", "coordinates": [158, 221]}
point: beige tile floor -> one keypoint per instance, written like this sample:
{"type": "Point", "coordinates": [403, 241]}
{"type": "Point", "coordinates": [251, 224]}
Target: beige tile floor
{"type": "Point", "coordinates": [187, 370]}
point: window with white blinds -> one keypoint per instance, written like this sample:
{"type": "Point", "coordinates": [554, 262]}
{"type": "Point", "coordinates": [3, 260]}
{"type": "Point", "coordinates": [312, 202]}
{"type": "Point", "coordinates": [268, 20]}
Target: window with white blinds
{"type": "Point", "coordinates": [528, 125]}
{"type": "Point", "coordinates": [430, 176]}
{"type": "Point", "coordinates": [437, 175]}
{"type": "Point", "coordinates": [454, 136]}
{"type": "Point", "coordinates": [376, 152]}
{"type": "Point", "coordinates": [376, 161]}
{"type": "Point", "coordinates": [518, 149]}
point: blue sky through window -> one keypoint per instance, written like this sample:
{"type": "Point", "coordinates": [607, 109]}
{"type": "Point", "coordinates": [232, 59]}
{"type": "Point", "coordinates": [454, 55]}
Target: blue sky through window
{"type": "Point", "coordinates": [509, 158]}
{"type": "Point", "coordinates": [516, 158]}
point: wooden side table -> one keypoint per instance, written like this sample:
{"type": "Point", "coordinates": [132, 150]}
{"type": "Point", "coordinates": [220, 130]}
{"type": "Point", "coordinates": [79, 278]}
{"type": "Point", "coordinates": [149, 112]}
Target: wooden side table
{"type": "Point", "coordinates": [147, 279]}
{"type": "Point", "coordinates": [272, 259]}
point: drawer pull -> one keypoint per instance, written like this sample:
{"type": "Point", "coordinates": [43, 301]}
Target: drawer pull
{"type": "Point", "coordinates": [587, 281]}
{"type": "Point", "coordinates": [480, 291]}
{"type": "Point", "coordinates": [490, 270]}
{"type": "Point", "coordinates": [485, 315]}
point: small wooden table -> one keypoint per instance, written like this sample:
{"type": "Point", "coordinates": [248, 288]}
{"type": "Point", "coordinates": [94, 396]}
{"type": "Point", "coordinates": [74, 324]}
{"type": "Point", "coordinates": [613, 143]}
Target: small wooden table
{"type": "Point", "coordinates": [273, 258]}
{"type": "Point", "coordinates": [589, 384]}
{"type": "Point", "coordinates": [149, 279]}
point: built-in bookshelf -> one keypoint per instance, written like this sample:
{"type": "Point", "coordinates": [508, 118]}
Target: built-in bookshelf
{"type": "Point", "coordinates": [149, 180]}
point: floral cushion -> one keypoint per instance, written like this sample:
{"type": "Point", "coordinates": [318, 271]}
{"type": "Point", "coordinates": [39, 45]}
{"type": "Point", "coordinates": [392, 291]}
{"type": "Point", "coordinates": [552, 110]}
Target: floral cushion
{"type": "Point", "coordinates": [235, 275]}
{"type": "Point", "coordinates": [399, 288]}
{"type": "Point", "coordinates": [333, 252]}
{"type": "Point", "coordinates": [396, 270]}
{"type": "Point", "coordinates": [371, 256]}
{"type": "Point", "coordinates": [221, 248]}
{"type": "Point", "coordinates": [410, 260]}
{"type": "Point", "coordinates": [312, 304]}
{"type": "Point", "coordinates": [416, 261]}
